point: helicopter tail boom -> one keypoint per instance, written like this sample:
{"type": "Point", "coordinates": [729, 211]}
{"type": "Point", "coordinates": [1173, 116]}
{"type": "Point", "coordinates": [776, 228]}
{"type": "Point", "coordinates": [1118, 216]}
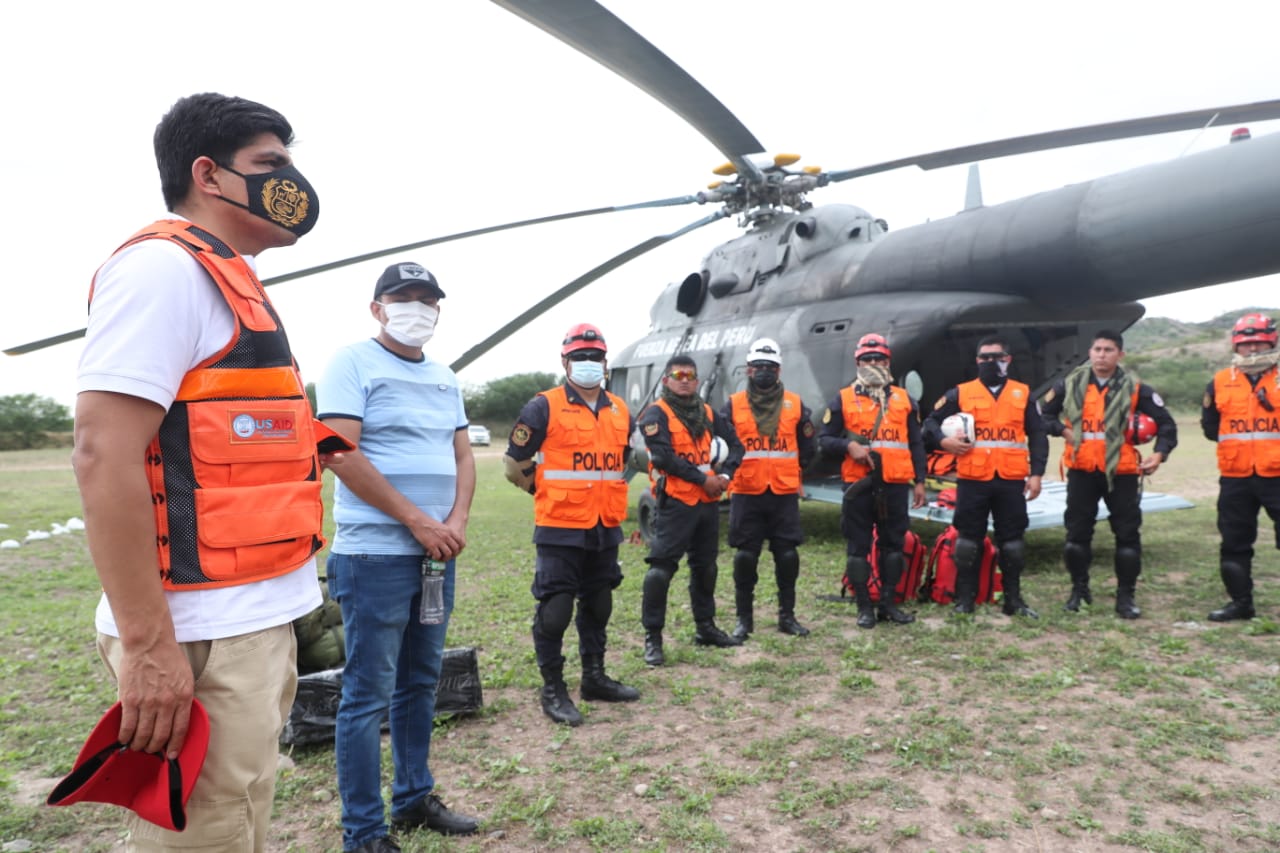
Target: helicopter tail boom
{"type": "Point", "coordinates": [1204, 219]}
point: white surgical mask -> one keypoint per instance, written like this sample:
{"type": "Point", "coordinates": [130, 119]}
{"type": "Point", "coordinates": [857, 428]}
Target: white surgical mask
{"type": "Point", "coordinates": [410, 323]}
{"type": "Point", "coordinates": [586, 374]}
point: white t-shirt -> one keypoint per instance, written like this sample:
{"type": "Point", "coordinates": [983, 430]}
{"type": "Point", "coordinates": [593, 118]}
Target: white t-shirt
{"type": "Point", "coordinates": [155, 315]}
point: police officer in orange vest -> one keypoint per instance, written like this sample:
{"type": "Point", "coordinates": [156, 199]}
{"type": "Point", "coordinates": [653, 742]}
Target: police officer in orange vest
{"type": "Point", "coordinates": [1242, 413]}
{"type": "Point", "coordinates": [777, 433]}
{"type": "Point", "coordinates": [678, 429]}
{"type": "Point", "coordinates": [874, 422]}
{"type": "Point", "coordinates": [1095, 408]}
{"type": "Point", "coordinates": [569, 449]}
{"type": "Point", "coordinates": [996, 474]}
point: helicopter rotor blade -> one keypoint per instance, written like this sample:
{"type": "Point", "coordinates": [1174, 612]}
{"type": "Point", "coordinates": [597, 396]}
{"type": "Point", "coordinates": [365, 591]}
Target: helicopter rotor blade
{"type": "Point", "coordinates": [462, 235]}
{"type": "Point", "coordinates": [594, 31]}
{"type": "Point", "coordinates": [574, 286]}
{"type": "Point", "coordinates": [65, 337]}
{"type": "Point", "coordinates": [1149, 126]}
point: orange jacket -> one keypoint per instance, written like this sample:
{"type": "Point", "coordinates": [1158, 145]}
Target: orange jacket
{"type": "Point", "coordinates": [695, 452]}
{"type": "Point", "coordinates": [769, 463]}
{"type": "Point", "coordinates": [1000, 432]}
{"type": "Point", "coordinates": [579, 480]}
{"type": "Point", "coordinates": [890, 440]}
{"type": "Point", "coordinates": [1092, 455]}
{"type": "Point", "coordinates": [1248, 435]}
{"type": "Point", "coordinates": [234, 472]}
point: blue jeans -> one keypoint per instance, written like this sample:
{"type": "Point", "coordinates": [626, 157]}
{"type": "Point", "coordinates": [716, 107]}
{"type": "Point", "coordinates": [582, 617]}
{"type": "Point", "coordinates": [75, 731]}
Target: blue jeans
{"type": "Point", "coordinates": [393, 663]}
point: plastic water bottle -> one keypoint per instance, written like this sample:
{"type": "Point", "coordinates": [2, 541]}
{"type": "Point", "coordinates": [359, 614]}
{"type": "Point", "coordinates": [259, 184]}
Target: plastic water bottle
{"type": "Point", "coordinates": [432, 610]}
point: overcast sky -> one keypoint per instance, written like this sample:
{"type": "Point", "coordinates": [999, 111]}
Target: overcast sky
{"type": "Point", "coordinates": [420, 119]}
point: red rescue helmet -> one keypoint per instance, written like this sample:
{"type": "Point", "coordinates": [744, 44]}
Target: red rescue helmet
{"type": "Point", "coordinates": [582, 336]}
{"type": "Point", "coordinates": [1254, 327]}
{"type": "Point", "coordinates": [871, 344]}
{"type": "Point", "coordinates": [1141, 429]}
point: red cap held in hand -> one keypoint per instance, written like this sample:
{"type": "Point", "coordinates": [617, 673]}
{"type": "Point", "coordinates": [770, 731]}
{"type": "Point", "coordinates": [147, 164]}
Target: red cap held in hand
{"type": "Point", "coordinates": [156, 788]}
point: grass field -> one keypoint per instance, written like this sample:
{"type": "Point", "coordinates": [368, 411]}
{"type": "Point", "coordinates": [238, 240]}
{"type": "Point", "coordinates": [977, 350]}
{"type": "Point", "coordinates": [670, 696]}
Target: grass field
{"type": "Point", "coordinates": [1071, 733]}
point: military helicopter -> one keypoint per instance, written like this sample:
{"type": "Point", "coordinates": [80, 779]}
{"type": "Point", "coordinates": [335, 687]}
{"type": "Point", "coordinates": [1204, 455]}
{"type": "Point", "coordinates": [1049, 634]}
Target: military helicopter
{"type": "Point", "coordinates": [1050, 268]}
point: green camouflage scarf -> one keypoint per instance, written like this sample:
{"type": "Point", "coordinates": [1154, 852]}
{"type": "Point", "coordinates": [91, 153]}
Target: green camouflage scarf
{"type": "Point", "coordinates": [1115, 413]}
{"type": "Point", "coordinates": [690, 411]}
{"type": "Point", "coordinates": [766, 408]}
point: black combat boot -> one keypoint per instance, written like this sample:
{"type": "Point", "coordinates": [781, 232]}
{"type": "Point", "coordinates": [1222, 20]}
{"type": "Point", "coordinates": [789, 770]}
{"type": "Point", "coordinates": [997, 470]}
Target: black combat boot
{"type": "Point", "coordinates": [786, 568]}
{"type": "Point", "coordinates": [597, 685]}
{"type": "Point", "coordinates": [891, 568]}
{"type": "Point", "coordinates": [1238, 579]}
{"type": "Point", "coordinates": [1013, 559]}
{"type": "Point", "coordinates": [707, 634]}
{"type": "Point", "coordinates": [857, 572]}
{"type": "Point", "coordinates": [556, 703]}
{"type": "Point", "coordinates": [744, 593]}
{"type": "Point", "coordinates": [653, 655]}
{"type": "Point", "coordinates": [1128, 567]}
{"type": "Point", "coordinates": [1077, 558]}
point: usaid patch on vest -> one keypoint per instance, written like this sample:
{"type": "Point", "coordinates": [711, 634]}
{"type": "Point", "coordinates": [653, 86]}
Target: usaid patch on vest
{"type": "Point", "coordinates": [263, 425]}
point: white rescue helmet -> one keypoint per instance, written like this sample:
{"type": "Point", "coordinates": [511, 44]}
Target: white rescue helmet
{"type": "Point", "coordinates": [718, 453]}
{"type": "Point", "coordinates": [959, 425]}
{"type": "Point", "coordinates": [765, 349]}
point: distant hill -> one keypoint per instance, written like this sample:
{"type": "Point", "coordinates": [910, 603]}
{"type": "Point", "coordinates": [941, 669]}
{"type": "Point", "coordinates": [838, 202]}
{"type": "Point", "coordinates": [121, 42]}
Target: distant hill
{"type": "Point", "coordinates": [1178, 358]}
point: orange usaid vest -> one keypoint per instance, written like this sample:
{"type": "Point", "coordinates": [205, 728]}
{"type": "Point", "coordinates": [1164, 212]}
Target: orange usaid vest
{"type": "Point", "coordinates": [1248, 435]}
{"type": "Point", "coordinates": [234, 473]}
{"type": "Point", "coordinates": [1092, 455]}
{"type": "Point", "coordinates": [890, 440]}
{"type": "Point", "coordinates": [1000, 432]}
{"type": "Point", "coordinates": [695, 452]}
{"type": "Point", "coordinates": [580, 479]}
{"type": "Point", "coordinates": [769, 463]}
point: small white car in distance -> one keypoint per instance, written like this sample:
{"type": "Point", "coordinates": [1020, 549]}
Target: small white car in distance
{"type": "Point", "coordinates": [479, 434]}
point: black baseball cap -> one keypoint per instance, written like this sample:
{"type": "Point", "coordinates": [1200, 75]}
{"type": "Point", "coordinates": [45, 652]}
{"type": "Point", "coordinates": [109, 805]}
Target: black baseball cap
{"type": "Point", "coordinates": [398, 276]}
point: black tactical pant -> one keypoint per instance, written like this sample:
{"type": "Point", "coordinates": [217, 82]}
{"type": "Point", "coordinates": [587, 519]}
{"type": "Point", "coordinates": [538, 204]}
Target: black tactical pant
{"type": "Point", "coordinates": [681, 530]}
{"type": "Point", "coordinates": [1085, 489]}
{"type": "Point", "coordinates": [1003, 500]}
{"type": "Point", "coordinates": [1239, 499]}
{"type": "Point", "coordinates": [858, 514]}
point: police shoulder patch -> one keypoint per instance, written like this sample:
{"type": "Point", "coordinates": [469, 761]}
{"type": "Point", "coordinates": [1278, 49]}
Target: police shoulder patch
{"type": "Point", "coordinates": [1207, 402]}
{"type": "Point", "coordinates": [942, 401]}
{"type": "Point", "coordinates": [1157, 399]}
{"type": "Point", "coordinates": [1048, 398]}
{"type": "Point", "coordinates": [807, 430]}
{"type": "Point", "coordinates": [520, 435]}
{"type": "Point", "coordinates": [651, 429]}
{"type": "Point", "coordinates": [826, 416]}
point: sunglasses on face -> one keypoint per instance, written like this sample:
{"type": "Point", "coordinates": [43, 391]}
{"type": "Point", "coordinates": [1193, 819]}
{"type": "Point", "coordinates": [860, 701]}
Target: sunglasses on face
{"type": "Point", "coordinates": [992, 356]}
{"type": "Point", "coordinates": [586, 355]}
{"type": "Point", "coordinates": [683, 375]}
{"type": "Point", "coordinates": [873, 359]}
